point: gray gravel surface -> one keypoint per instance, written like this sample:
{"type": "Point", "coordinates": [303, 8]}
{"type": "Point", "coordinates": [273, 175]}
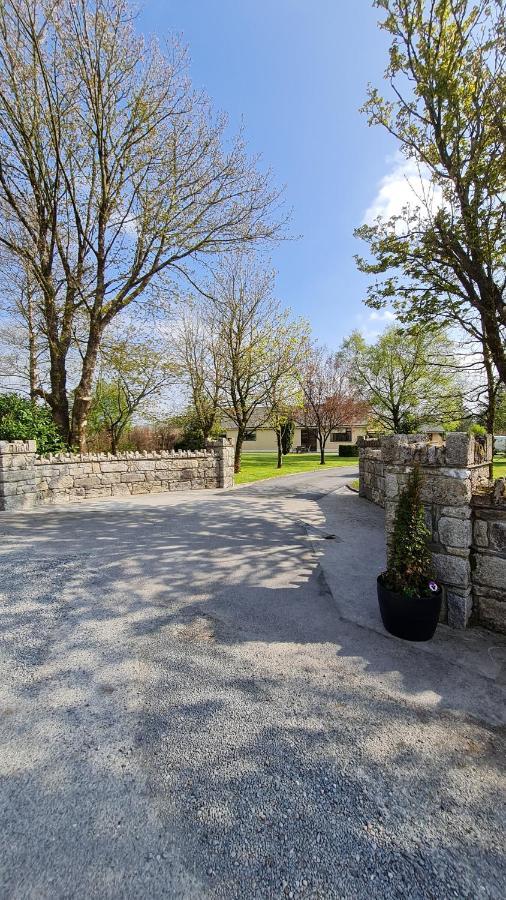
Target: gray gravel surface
{"type": "Point", "coordinates": [188, 710]}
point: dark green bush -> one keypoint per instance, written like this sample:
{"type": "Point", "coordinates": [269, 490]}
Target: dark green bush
{"type": "Point", "coordinates": [190, 434]}
{"type": "Point", "coordinates": [348, 450]}
{"type": "Point", "coordinates": [287, 436]}
{"type": "Point", "coordinates": [23, 420]}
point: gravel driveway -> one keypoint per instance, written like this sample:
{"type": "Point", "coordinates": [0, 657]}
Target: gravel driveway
{"type": "Point", "coordinates": [196, 700]}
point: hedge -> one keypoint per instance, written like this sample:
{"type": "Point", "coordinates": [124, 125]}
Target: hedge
{"type": "Point", "coordinates": [348, 450]}
{"type": "Point", "coordinates": [22, 420]}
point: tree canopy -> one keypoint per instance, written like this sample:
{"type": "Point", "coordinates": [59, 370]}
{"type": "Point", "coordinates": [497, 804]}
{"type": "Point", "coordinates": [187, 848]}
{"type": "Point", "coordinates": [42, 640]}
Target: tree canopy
{"type": "Point", "coordinates": [443, 257]}
{"type": "Point", "coordinates": [406, 377]}
{"type": "Point", "coordinates": [329, 399]}
{"type": "Point", "coordinates": [113, 171]}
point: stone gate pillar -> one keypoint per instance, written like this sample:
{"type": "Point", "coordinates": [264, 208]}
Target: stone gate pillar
{"type": "Point", "coordinates": [18, 482]}
{"type": "Point", "coordinates": [451, 473]}
{"type": "Point", "coordinates": [225, 457]}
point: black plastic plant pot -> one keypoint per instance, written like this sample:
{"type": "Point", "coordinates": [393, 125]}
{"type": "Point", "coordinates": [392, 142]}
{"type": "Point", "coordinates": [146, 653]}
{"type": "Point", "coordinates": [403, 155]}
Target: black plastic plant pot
{"type": "Point", "coordinates": [409, 617]}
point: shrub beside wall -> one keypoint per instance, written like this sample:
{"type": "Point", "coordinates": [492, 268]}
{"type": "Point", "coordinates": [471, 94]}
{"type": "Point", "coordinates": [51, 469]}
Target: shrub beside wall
{"type": "Point", "coordinates": [23, 420]}
{"type": "Point", "coordinates": [348, 450]}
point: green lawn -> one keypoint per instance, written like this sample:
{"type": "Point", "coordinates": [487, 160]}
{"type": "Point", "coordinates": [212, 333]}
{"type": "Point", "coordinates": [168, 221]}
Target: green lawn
{"type": "Point", "coordinates": [500, 466]}
{"type": "Point", "coordinates": [255, 466]}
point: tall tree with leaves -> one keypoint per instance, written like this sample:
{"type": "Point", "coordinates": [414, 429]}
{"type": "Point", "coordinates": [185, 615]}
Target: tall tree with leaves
{"type": "Point", "coordinates": [443, 258]}
{"type": "Point", "coordinates": [405, 377]}
{"type": "Point", "coordinates": [113, 171]}
{"type": "Point", "coordinates": [132, 375]}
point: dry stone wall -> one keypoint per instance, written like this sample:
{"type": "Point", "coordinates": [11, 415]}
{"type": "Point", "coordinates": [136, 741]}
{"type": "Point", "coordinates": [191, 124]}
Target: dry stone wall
{"type": "Point", "coordinates": [371, 471]}
{"type": "Point", "coordinates": [27, 480]}
{"type": "Point", "coordinates": [466, 516]}
{"type": "Point", "coordinates": [488, 556]}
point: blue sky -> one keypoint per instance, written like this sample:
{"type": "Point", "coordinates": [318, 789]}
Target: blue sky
{"type": "Point", "coordinates": [295, 72]}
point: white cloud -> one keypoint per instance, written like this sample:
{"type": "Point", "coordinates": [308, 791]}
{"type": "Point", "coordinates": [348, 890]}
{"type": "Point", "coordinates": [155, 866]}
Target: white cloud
{"type": "Point", "coordinates": [405, 185]}
{"type": "Point", "coordinates": [382, 315]}
{"type": "Point", "coordinates": [372, 324]}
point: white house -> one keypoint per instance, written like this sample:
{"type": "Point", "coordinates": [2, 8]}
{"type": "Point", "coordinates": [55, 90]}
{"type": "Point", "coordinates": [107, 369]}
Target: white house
{"type": "Point", "coordinates": [262, 438]}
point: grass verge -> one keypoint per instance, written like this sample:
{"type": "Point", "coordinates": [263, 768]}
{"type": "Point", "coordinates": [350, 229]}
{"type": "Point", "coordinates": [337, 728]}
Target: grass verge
{"type": "Point", "coordinates": [500, 466]}
{"type": "Point", "coordinates": [256, 466]}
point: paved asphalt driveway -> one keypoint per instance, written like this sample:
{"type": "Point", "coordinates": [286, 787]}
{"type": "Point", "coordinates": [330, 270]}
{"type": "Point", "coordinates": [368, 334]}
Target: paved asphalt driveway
{"type": "Point", "coordinates": [197, 699]}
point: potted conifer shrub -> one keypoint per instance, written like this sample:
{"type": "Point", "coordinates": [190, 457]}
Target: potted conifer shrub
{"type": "Point", "coordinates": [409, 598]}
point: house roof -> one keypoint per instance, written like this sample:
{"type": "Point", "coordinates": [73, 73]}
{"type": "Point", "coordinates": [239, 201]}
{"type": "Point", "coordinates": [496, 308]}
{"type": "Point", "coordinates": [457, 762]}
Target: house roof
{"type": "Point", "coordinates": [258, 420]}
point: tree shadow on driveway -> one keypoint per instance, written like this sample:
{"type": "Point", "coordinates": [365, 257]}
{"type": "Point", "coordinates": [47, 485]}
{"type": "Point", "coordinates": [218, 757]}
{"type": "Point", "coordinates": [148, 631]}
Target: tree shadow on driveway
{"type": "Point", "coordinates": [182, 706]}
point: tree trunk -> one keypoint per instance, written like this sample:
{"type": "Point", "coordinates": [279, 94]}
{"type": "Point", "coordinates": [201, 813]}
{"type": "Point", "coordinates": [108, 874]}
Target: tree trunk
{"type": "Point", "coordinates": [238, 450]}
{"type": "Point", "coordinates": [280, 447]}
{"type": "Point", "coordinates": [32, 348]}
{"type": "Point", "coordinates": [58, 399]}
{"type": "Point", "coordinates": [491, 391]}
{"type": "Point", "coordinates": [322, 451]}
{"type": "Point", "coordinates": [83, 394]}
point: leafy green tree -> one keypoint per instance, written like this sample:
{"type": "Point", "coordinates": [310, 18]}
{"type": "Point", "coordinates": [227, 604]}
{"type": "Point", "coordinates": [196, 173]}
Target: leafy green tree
{"type": "Point", "coordinates": [191, 434]}
{"type": "Point", "coordinates": [405, 377]}
{"type": "Point", "coordinates": [281, 420]}
{"type": "Point", "coordinates": [442, 258]}
{"type": "Point", "coordinates": [23, 420]}
{"type": "Point", "coordinates": [133, 375]}
{"type": "Point", "coordinates": [109, 412]}
{"type": "Point", "coordinates": [501, 412]}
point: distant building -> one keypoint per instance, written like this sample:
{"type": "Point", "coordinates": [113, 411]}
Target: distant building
{"type": "Point", "coordinates": [500, 443]}
{"type": "Point", "coordinates": [435, 434]}
{"type": "Point", "coordinates": [261, 438]}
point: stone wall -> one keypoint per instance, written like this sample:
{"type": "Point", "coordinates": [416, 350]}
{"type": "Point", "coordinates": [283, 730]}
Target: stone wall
{"type": "Point", "coordinates": [464, 513]}
{"type": "Point", "coordinates": [451, 473]}
{"type": "Point", "coordinates": [488, 557]}
{"type": "Point", "coordinates": [371, 471]}
{"type": "Point", "coordinates": [27, 480]}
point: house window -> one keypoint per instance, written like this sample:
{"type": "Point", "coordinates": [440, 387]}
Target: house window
{"type": "Point", "coordinates": [341, 436]}
{"type": "Point", "coordinates": [250, 436]}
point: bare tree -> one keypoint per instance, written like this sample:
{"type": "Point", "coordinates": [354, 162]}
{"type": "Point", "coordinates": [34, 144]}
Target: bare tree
{"type": "Point", "coordinates": [329, 401]}
{"type": "Point", "coordinates": [20, 331]}
{"type": "Point", "coordinates": [198, 360]}
{"type": "Point", "coordinates": [254, 342]}
{"type": "Point", "coordinates": [112, 171]}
